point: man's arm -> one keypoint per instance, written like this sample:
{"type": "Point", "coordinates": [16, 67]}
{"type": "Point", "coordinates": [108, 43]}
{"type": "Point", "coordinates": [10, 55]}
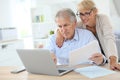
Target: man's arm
{"type": "Point", "coordinates": [51, 47]}
{"type": "Point", "coordinates": [53, 56]}
{"type": "Point", "coordinates": [98, 58]}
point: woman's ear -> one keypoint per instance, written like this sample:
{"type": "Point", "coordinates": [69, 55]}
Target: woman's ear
{"type": "Point", "coordinates": [95, 11]}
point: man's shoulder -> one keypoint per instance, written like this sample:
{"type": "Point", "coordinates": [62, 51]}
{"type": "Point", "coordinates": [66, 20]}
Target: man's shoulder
{"type": "Point", "coordinates": [83, 31]}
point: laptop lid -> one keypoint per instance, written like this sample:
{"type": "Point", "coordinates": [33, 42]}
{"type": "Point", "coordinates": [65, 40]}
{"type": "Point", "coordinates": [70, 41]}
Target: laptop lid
{"type": "Point", "coordinates": [39, 61]}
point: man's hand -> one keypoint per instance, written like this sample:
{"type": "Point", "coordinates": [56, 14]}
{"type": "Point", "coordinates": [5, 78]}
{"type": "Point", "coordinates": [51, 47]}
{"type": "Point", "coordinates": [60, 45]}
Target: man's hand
{"type": "Point", "coordinates": [54, 58]}
{"type": "Point", "coordinates": [59, 39]}
{"type": "Point", "coordinates": [97, 58]}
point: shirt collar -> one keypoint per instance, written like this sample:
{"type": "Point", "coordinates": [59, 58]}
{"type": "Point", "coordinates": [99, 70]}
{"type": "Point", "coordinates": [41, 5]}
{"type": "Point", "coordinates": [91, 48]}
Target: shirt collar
{"type": "Point", "coordinates": [75, 35]}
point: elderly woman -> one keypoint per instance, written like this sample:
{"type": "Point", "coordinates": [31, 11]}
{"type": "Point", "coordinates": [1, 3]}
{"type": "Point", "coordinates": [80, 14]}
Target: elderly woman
{"type": "Point", "coordinates": [100, 26]}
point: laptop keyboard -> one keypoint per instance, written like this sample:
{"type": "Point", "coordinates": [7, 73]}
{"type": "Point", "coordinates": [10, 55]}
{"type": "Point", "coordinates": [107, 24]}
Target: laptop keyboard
{"type": "Point", "coordinates": [60, 71]}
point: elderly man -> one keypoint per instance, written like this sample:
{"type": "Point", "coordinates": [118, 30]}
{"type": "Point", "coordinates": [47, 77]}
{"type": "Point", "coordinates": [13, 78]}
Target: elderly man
{"type": "Point", "coordinates": [74, 38]}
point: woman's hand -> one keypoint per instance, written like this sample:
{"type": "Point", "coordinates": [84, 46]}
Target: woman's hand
{"type": "Point", "coordinates": [118, 67]}
{"type": "Point", "coordinates": [59, 39]}
{"type": "Point", "coordinates": [113, 63]}
{"type": "Point", "coordinates": [97, 58]}
{"type": "Point", "coordinates": [115, 66]}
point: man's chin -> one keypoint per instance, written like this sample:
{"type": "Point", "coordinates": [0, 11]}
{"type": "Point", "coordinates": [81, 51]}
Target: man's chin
{"type": "Point", "coordinates": [65, 37]}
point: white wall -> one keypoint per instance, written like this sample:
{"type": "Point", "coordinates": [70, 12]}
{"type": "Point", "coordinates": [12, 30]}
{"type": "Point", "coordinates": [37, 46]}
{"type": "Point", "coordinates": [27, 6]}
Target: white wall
{"type": "Point", "coordinates": [115, 18]}
{"type": "Point", "coordinates": [6, 7]}
{"type": "Point", "coordinates": [103, 6]}
{"type": "Point", "coordinates": [5, 13]}
{"type": "Point", "coordinates": [55, 5]}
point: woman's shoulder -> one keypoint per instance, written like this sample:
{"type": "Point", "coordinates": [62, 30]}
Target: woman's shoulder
{"type": "Point", "coordinates": [103, 19]}
{"type": "Point", "coordinates": [102, 16]}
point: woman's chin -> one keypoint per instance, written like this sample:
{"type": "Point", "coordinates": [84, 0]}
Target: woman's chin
{"type": "Point", "coordinates": [86, 23]}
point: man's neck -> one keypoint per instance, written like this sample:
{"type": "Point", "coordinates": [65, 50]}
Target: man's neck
{"type": "Point", "coordinates": [72, 36]}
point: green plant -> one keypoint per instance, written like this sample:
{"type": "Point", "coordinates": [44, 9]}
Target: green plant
{"type": "Point", "coordinates": [51, 32]}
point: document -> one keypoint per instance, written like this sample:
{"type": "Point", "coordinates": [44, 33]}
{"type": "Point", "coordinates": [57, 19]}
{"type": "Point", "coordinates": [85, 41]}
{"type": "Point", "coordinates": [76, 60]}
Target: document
{"type": "Point", "coordinates": [94, 71]}
{"type": "Point", "coordinates": [82, 55]}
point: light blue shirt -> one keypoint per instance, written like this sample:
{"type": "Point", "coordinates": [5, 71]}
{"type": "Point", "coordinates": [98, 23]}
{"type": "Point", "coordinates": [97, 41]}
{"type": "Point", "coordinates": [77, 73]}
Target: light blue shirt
{"type": "Point", "coordinates": [81, 38]}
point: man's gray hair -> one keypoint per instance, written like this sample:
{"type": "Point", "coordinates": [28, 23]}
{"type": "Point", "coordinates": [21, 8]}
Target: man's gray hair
{"type": "Point", "coordinates": [66, 13]}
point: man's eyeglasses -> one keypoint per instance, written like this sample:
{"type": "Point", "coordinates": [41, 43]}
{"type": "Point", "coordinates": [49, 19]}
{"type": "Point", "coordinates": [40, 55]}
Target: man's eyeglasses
{"type": "Point", "coordinates": [86, 14]}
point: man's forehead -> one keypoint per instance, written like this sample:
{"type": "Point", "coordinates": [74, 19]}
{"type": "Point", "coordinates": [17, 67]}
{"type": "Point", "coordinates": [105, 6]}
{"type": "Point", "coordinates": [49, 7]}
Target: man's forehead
{"type": "Point", "coordinates": [62, 19]}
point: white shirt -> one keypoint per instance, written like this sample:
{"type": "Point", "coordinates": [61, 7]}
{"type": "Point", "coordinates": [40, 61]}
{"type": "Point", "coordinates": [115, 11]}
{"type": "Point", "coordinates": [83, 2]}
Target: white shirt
{"type": "Point", "coordinates": [81, 38]}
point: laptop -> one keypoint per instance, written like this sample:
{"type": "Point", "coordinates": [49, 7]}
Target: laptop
{"type": "Point", "coordinates": [39, 61]}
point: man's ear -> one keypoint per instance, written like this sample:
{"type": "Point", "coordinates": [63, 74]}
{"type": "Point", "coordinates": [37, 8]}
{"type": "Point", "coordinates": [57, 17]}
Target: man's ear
{"type": "Point", "coordinates": [75, 23]}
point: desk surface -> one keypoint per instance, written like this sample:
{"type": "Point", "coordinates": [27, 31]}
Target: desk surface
{"type": "Point", "coordinates": [6, 75]}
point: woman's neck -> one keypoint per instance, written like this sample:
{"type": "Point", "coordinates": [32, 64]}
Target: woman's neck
{"type": "Point", "coordinates": [92, 23]}
{"type": "Point", "coordinates": [92, 29]}
{"type": "Point", "coordinates": [92, 26]}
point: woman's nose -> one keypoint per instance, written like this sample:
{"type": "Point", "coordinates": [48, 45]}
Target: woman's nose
{"type": "Point", "coordinates": [83, 17]}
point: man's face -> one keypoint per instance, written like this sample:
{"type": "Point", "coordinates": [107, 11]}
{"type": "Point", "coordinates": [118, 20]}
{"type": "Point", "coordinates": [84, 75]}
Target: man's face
{"type": "Point", "coordinates": [66, 27]}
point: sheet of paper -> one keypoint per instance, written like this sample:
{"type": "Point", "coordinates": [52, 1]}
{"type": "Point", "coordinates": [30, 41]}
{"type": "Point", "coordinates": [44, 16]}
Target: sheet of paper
{"type": "Point", "coordinates": [94, 71]}
{"type": "Point", "coordinates": [82, 55]}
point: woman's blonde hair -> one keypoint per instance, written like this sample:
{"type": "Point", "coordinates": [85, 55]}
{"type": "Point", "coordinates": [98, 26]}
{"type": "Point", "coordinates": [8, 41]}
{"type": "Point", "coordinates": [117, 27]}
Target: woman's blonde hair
{"type": "Point", "coordinates": [86, 4]}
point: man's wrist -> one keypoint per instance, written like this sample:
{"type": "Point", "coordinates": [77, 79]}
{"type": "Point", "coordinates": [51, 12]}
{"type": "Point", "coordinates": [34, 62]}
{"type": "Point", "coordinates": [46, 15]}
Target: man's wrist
{"type": "Point", "coordinates": [104, 60]}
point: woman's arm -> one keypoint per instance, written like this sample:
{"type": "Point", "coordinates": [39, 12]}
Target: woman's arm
{"type": "Point", "coordinates": [109, 41]}
{"type": "Point", "coordinates": [59, 39]}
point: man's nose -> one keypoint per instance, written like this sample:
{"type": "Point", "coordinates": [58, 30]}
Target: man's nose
{"type": "Point", "coordinates": [63, 29]}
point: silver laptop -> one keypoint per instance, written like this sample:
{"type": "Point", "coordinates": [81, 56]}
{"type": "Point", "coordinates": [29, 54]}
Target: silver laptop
{"type": "Point", "coordinates": [39, 61]}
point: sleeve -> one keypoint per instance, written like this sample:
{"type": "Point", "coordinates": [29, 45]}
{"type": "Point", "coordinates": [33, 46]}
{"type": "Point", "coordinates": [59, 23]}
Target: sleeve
{"type": "Point", "coordinates": [104, 60]}
{"type": "Point", "coordinates": [51, 44]}
{"type": "Point", "coordinates": [109, 38]}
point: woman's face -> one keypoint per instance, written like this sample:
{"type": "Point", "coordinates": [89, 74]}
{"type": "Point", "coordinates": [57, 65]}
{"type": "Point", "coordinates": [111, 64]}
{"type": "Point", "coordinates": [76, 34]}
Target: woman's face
{"type": "Point", "coordinates": [86, 16]}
